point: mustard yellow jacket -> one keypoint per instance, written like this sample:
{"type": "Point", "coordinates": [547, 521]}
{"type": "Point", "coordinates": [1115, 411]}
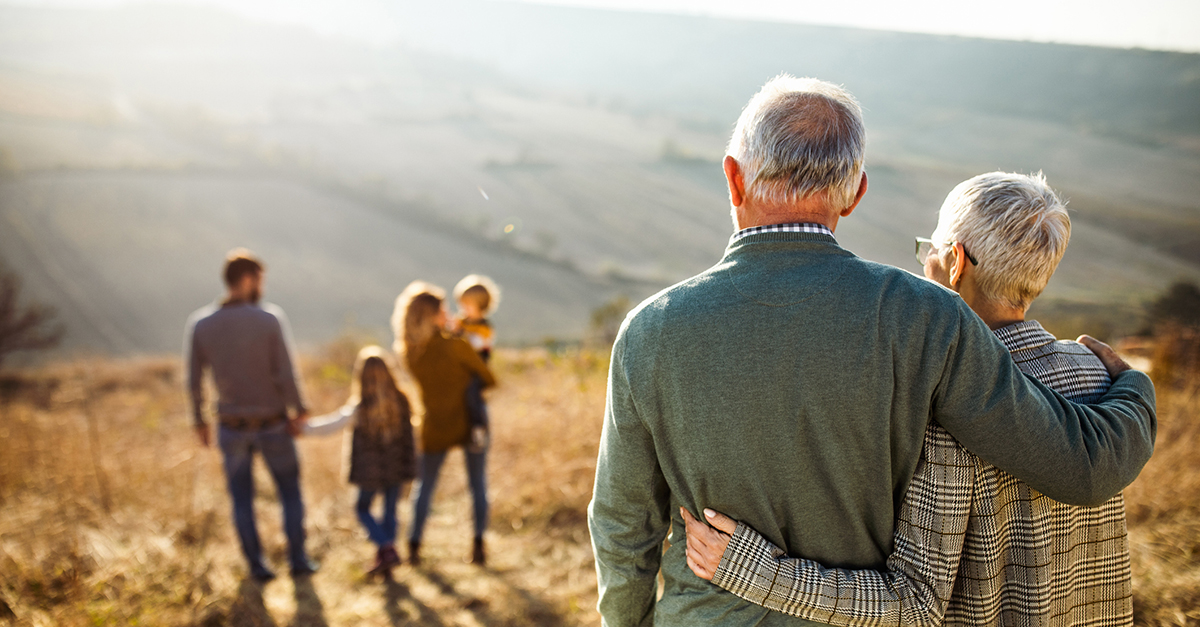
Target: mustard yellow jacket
{"type": "Point", "coordinates": [443, 371]}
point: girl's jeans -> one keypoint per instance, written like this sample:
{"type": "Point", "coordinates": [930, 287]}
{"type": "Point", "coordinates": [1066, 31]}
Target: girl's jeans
{"type": "Point", "coordinates": [381, 532]}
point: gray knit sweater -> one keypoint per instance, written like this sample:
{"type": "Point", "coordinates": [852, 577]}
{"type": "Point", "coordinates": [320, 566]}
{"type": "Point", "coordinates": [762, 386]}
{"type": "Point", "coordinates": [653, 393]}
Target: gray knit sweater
{"type": "Point", "coordinates": [789, 386]}
{"type": "Point", "coordinates": [247, 349]}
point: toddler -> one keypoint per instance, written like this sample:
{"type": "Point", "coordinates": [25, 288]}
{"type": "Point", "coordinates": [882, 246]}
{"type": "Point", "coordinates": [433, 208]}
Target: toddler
{"type": "Point", "coordinates": [477, 298]}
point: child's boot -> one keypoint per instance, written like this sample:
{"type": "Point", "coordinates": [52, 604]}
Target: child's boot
{"type": "Point", "coordinates": [390, 557]}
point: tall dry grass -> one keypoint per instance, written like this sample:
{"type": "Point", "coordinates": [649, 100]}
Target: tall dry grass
{"type": "Point", "coordinates": [111, 515]}
{"type": "Point", "coordinates": [1164, 502]}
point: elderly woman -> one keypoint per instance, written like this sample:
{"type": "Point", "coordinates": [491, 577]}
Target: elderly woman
{"type": "Point", "coordinates": [442, 367]}
{"type": "Point", "coordinates": [973, 545]}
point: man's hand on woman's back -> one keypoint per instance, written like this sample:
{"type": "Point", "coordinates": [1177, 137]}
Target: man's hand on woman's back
{"type": "Point", "coordinates": [1112, 361]}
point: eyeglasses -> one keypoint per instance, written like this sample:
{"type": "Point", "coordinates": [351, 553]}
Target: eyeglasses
{"type": "Point", "coordinates": [925, 246]}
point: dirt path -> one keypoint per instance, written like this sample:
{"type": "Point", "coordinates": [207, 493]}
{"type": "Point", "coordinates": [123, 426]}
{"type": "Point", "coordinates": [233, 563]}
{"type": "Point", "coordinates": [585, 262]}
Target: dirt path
{"type": "Point", "coordinates": [524, 584]}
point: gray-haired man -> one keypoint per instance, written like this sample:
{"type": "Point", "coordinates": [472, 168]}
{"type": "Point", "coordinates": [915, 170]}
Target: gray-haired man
{"type": "Point", "coordinates": [791, 384]}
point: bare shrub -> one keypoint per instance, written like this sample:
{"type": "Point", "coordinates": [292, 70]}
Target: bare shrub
{"type": "Point", "coordinates": [1179, 305]}
{"type": "Point", "coordinates": [607, 319]}
{"type": "Point", "coordinates": [30, 328]}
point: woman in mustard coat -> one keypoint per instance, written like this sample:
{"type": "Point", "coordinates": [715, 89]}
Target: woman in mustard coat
{"type": "Point", "coordinates": [442, 367]}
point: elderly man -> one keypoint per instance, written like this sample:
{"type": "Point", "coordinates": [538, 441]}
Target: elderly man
{"type": "Point", "coordinates": [974, 545]}
{"type": "Point", "coordinates": [245, 347]}
{"type": "Point", "coordinates": [791, 385]}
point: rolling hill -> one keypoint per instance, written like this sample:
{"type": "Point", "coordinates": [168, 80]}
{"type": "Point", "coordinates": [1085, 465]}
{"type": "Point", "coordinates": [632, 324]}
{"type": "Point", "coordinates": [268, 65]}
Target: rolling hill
{"type": "Point", "coordinates": [572, 154]}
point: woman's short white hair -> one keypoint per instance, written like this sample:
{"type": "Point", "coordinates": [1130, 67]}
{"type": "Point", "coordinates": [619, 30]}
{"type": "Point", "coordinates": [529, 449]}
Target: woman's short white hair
{"type": "Point", "coordinates": [798, 137]}
{"type": "Point", "coordinates": [1014, 225]}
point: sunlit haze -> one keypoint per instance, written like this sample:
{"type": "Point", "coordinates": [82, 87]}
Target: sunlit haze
{"type": "Point", "coordinates": [1153, 24]}
{"type": "Point", "coordinates": [570, 149]}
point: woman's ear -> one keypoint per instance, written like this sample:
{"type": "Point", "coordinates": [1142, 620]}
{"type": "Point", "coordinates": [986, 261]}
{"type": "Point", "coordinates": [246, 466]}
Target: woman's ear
{"type": "Point", "coordinates": [957, 265]}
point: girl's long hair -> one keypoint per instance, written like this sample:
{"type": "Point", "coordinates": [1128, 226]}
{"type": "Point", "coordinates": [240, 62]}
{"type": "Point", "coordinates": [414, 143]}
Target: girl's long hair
{"type": "Point", "coordinates": [382, 407]}
{"type": "Point", "coordinates": [414, 320]}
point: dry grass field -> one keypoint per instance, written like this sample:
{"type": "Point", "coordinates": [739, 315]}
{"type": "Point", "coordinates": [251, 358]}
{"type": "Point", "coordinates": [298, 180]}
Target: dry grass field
{"type": "Point", "coordinates": [111, 515]}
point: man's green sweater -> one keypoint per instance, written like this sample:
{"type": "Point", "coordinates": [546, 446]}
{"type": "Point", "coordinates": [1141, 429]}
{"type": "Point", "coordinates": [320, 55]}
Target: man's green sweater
{"type": "Point", "coordinates": [789, 386]}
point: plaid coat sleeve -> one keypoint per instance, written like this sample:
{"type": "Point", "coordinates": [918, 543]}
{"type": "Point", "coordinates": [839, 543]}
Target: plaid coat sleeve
{"type": "Point", "coordinates": [920, 572]}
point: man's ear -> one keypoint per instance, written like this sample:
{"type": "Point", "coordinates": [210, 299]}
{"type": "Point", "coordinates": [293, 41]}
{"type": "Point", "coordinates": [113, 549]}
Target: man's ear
{"type": "Point", "coordinates": [733, 178]}
{"type": "Point", "coordinates": [960, 262]}
{"type": "Point", "coordinates": [862, 191]}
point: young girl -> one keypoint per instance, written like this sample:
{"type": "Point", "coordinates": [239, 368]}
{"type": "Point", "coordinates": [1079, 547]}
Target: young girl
{"type": "Point", "coordinates": [382, 458]}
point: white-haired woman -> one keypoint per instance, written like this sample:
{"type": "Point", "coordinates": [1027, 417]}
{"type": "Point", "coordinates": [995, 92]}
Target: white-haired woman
{"type": "Point", "coordinates": [442, 367]}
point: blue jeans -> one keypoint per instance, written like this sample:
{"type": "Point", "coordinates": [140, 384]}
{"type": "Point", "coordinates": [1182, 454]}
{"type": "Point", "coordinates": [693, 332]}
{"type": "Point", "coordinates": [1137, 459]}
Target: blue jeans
{"type": "Point", "coordinates": [477, 412]}
{"type": "Point", "coordinates": [382, 532]}
{"type": "Point", "coordinates": [431, 466]}
{"type": "Point", "coordinates": [279, 452]}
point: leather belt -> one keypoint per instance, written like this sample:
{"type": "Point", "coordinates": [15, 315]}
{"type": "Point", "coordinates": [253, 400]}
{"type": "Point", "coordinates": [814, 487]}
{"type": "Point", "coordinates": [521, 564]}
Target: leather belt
{"type": "Point", "coordinates": [251, 423]}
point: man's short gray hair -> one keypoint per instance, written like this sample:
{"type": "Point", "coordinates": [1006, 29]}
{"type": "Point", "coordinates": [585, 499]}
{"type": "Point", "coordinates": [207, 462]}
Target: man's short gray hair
{"type": "Point", "coordinates": [1014, 225]}
{"type": "Point", "coordinates": [798, 137]}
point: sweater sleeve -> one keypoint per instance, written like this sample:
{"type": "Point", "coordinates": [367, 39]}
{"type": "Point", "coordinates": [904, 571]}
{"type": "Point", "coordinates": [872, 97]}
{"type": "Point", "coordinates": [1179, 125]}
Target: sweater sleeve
{"type": "Point", "coordinates": [474, 363]}
{"type": "Point", "coordinates": [1075, 454]}
{"type": "Point", "coordinates": [627, 517]}
{"type": "Point", "coordinates": [194, 359]}
{"type": "Point", "coordinates": [285, 371]}
{"type": "Point", "coordinates": [330, 423]}
{"type": "Point", "coordinates": [919, 579]}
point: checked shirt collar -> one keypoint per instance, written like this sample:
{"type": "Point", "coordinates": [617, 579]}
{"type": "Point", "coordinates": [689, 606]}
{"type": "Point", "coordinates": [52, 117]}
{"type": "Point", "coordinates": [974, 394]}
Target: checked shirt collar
{"type": "Point", "coordinates": [795, 227]}
{"type": "Point", "coordinates": [1023, 335]}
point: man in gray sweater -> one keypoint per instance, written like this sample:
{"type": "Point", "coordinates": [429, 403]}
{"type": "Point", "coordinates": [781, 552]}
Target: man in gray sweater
{"type": "Point", "coordinates": [245, 346]}
{"type": "Point", "coordinates": [791, 384]}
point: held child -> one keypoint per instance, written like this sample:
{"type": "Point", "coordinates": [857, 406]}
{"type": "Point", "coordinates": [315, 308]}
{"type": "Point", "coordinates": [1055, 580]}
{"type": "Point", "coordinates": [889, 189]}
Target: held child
{"type": "Point", "coordinates": [382, 457]}
{"type": "Point", "coordinates": [477, 297]}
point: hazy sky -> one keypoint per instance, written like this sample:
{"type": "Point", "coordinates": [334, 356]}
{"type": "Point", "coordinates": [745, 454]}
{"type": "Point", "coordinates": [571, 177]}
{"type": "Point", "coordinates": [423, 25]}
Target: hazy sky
{"type": "Point", "coordinates": [1155, 24]}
